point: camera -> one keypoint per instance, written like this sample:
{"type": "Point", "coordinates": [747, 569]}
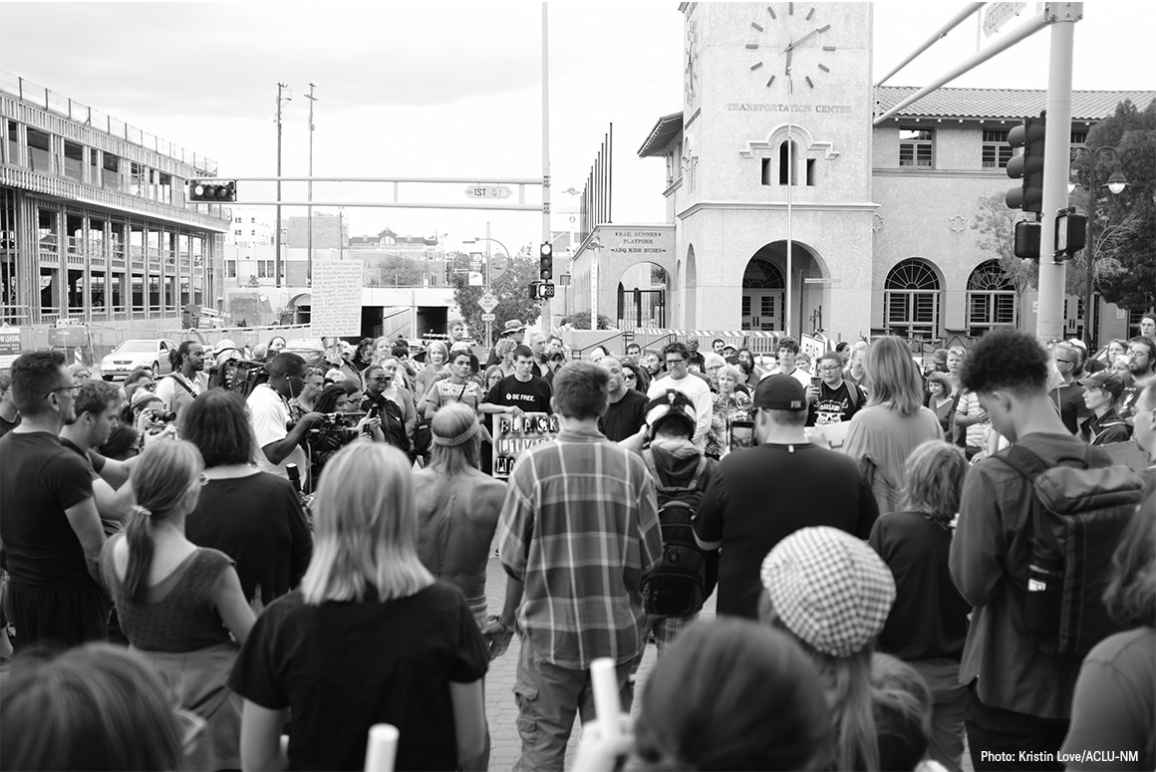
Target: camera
{"type": "Point", "coordinates": [162, 416]}
{"type": "Point", "coordinates": [248, 376]}
{"type": "Point", "coordinates": [344, 424]}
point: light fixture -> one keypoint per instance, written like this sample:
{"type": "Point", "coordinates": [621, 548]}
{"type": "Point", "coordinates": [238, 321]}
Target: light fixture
{"type": "Point", "coordinates": [1117, 182]}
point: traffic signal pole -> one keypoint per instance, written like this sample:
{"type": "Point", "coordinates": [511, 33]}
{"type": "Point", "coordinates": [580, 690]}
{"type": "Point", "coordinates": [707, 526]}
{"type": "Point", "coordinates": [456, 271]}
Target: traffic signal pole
{"type": "Point", "coordinates": [1050, 319]}
{"type": "Point", "coordinates": [547, 316]}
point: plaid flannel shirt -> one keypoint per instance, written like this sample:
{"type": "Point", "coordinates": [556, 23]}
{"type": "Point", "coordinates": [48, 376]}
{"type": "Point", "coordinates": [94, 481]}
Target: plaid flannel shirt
{"type": "Point", "coordinates": [580, 527]}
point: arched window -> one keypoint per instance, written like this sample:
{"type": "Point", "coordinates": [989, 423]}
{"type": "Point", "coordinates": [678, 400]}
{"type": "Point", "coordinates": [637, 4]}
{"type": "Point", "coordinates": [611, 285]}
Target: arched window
{"type": "Point", "coordinates": [991, 299]}
{"type": "Point", "coordinates": [788, 152]}
{"type": "Point", "coordinates": [911, 295]}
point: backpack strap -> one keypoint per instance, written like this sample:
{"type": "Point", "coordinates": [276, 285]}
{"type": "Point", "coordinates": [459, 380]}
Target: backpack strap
{"type": "Point", "coordinates": [853, 393]}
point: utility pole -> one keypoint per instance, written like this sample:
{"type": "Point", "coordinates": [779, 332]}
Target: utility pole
{"type": "Point", "coordinates": [547, 320]}
{"type": "Point", "coordinates": [277, 233]}
{"type": "Point", "coordinates": [486, 289]}
{"type": "Point", "coordinates": [309, 209]}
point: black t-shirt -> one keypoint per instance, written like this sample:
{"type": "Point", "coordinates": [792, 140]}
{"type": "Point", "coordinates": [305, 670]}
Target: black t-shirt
{"type": "Point", "coordinates": [7, 426]}
{"type": "Point", "coordinates": [929, 617]}
{"type": "Point", "coordinates": [625, 417]}
{"type": "Point", "coordinates": [342, 667]}
{"type": "Point", "coordinates": [533, 396]}
{"type": "Point", "coordinates": [259, 523]}
{"type": "Point", "coordinates": [40, 479]}
{"type": "Point", "coordinates": [835, 405]}
{"type": "Point", "coordinates": [759, 496]}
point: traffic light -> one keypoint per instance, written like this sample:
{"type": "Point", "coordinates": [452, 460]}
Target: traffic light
{"type": "Point", "coordinates": [213, 191]}
{"type": "Point", "coordinates": [1028, 165]}
{"type": "Point", "coordinates": [545, 261]}
{"type": "Point", "coordinates": [1071, 234]}
{"type": "Point", "coordinates": [541, 290]}
{"type": "Point", "coordinates": [1027, 240]}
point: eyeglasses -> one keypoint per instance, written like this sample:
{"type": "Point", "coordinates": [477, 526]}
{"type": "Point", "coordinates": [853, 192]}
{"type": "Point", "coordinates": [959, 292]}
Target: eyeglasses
{"type": "Point", "coordinates": [70, 389]}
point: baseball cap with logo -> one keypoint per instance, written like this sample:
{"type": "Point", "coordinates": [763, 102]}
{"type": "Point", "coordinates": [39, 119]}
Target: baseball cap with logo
{"type": "Point", "coordinates": [780, 392]}
{"type": "Point", "coordinates": [830, 589]}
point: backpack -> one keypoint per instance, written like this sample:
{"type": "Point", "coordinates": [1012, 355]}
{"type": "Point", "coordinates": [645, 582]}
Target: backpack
{"type": "Point", "coordinates": [1078, 517]}
{"type": "Point", "coordinates": [676, 586]}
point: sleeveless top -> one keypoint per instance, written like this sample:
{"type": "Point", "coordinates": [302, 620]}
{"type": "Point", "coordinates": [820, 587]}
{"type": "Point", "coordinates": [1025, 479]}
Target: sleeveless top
{"type": "Point", "coordinates": [180, 613]}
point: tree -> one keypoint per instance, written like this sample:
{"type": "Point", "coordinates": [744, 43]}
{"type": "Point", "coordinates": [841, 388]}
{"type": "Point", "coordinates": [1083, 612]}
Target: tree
{"type": "Point", "coordinates": [995, 226]}
{"type": "Point", "coordinates": [512, 289]}
{"type": "Point", "coordinates": [581, 321]}
{"type": "Point", "coordinates": [1124, 240]}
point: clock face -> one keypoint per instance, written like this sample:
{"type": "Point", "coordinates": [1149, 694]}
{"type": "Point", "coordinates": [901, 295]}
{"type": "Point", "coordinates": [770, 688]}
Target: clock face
{"type": "Point", "coordinates": [790, 43]}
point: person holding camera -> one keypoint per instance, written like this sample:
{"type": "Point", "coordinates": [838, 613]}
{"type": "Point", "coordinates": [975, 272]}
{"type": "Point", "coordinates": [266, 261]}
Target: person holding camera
{"type": "Point", "coordinates": [342, 425]}
{"type": "Point", "coordinates": [279, 440]}
{"type": "Point", "coordinates": [149, 415]}
{"type": "Point", "coordinates": [390, 403]}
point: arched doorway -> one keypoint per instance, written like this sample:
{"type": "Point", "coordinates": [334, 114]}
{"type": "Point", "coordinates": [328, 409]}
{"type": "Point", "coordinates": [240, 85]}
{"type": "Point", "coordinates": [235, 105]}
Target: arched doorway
{"type": "Point", "coordinates": [301, 308]}
{"type": "Point", "coordinates": [763, 292]}
{"type": "Point", "coordinates": [911, 299]}
{"type": "Point", "coordinates": [991, 299]}
{"type": "Point", "coordinates": [642, 296]}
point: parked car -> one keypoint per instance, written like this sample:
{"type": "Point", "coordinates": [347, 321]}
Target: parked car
{"type": "Point", "coordinates": [138, 352]}
{"type": "Point", "coordinates": [312, 350]}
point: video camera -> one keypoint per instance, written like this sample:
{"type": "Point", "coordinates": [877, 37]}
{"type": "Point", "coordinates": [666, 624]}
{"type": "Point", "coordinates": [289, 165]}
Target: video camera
{"type": "Point", "coordinates": [343, 423]}
{"type": "Point", "coordinates": [248, 376]}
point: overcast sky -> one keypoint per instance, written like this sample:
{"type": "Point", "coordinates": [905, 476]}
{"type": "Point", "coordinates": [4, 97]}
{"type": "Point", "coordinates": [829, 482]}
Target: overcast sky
{"type": "Point", "coordinates": [442, 89]}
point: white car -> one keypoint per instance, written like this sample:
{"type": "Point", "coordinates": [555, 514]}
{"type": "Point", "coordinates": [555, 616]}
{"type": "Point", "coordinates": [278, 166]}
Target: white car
{"type": "Point", "coordinates": [147, 352]}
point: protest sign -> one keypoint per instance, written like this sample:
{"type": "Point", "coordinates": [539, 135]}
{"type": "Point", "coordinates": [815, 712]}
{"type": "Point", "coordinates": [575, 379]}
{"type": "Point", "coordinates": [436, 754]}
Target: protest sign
{"type": "Point", "coordinates": [513, 436]}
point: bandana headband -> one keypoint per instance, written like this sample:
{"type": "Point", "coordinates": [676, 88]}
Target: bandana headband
{"type": "Point", "coordinates": [453, 442]}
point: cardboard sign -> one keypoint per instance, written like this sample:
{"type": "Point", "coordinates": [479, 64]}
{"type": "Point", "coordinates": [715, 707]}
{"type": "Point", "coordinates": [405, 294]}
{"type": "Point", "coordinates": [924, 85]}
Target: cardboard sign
{"type": "Point", "coordinates": [513, 436]}
{"type": "Point", "coordinates": [336, 298]}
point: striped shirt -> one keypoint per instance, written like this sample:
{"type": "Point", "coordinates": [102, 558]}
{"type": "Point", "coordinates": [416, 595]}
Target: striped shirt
{"type": "Point", "coordinates": [580, 527]}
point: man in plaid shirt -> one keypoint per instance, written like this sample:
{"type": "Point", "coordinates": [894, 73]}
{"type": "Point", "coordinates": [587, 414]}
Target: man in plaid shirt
{"type": "Point", "coordinates": [578, 529]}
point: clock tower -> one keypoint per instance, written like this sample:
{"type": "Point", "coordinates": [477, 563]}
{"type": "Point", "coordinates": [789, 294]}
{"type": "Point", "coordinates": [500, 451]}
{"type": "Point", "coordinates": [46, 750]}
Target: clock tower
{"type": "Point", "coordinates": [774, 214]}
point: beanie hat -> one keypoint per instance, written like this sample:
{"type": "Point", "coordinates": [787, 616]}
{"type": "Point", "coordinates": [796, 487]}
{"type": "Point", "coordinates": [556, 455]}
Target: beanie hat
{"type": "Point", "coordinates": [673, 405]}
{"type": "Point", "coordinates": [830, 589]}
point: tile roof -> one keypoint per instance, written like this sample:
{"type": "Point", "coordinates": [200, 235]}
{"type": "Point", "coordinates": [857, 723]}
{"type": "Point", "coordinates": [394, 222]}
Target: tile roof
{"type": "Point", "coordinates": [666, 128]}
{"type": "Point", "coordinates": [1003, 103]}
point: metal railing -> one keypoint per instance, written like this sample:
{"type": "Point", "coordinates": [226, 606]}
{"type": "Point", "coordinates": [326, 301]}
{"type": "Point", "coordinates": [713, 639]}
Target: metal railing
{"type": "Point", "coordinates": [34, 93]}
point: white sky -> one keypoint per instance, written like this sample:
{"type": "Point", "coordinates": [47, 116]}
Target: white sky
{"type": "Point", "coordinates": [441, 89]}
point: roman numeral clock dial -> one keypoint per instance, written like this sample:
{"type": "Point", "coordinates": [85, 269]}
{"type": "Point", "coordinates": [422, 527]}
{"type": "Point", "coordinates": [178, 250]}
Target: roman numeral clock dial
{"type": "Point", "coordinates": [790, 41]}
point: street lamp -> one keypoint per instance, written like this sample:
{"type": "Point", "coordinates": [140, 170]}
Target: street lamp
{"type": "Point", "coordinates": [1116, 182]}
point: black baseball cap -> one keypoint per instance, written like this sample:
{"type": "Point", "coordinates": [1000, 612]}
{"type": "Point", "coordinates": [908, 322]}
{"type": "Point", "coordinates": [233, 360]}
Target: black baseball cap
{"type": "Point", "coordinates": [780, 392]}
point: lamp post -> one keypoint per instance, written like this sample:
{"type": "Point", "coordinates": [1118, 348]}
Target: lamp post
{"type": "Point", "coordinates": [486, 275]}
{"type": "Point", "coordinates": [1115, 182]}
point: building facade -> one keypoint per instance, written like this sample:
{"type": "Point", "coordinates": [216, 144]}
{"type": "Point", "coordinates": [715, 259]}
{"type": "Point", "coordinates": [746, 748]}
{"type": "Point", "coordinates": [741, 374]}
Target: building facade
{"type": "Point", "coordinates": [94, 225]}
{"type": "Point", "coordinates": [792, 212]}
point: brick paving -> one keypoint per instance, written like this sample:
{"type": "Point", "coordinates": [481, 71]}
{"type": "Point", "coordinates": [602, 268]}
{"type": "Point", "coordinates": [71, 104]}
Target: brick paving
{"type": "Point", "coordinates": [501, 712]}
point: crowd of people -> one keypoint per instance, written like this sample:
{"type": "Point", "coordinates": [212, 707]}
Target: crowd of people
{"type": "Point", "coordinates": [907, 559]}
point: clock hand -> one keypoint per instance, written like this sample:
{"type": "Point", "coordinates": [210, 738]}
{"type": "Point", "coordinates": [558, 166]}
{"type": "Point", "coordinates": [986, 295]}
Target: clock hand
{"type": "Point", "coordinates": [808, 36]}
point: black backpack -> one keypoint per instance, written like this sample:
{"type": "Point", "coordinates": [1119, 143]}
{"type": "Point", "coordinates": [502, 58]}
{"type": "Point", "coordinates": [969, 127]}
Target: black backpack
{"type": "Point", "coordinates": [678, 584]}
{"type": "Point", "coordinates": [1078, 515]}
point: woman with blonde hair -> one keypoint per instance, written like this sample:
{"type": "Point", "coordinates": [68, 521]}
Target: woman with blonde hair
{"type": "Point", "coordinates": [370, 637]}
{"type": "Point", "coordinates": [457, 505]}
{"type": "Point", "coordinates": [928, 622]}
{"type": "Point", "coordinates": [181, 605]}
{"type": "Point", "coordinates": [883, 434]}
{"type": "Point", "coordinates": [832, 593]}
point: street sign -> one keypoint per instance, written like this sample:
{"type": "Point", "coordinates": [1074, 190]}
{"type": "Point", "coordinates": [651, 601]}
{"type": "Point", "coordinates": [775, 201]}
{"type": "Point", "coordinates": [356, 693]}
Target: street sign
{"type": "Point", "coordinates": [564, 279]}
{"type": "Point", "coordinates": [488, 317]}
{"type": "Point", "coordinates": [475, 279]}
{"type": "Point", "coordinates": [9, 345]}
{"type": "Point", "coordinates": [488, 302]}
{"type": "Point", "coordinates": [488, 191]}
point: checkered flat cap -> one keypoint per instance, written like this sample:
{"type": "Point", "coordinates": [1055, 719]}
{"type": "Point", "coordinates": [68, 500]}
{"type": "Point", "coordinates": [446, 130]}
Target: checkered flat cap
{"type": "Point", "coordinates": [829, 588]}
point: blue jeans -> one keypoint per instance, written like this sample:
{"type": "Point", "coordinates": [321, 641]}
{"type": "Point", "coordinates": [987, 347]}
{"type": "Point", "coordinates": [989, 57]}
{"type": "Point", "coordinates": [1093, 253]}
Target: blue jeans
{"type": "Point", "coordinates": [547, 697]}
